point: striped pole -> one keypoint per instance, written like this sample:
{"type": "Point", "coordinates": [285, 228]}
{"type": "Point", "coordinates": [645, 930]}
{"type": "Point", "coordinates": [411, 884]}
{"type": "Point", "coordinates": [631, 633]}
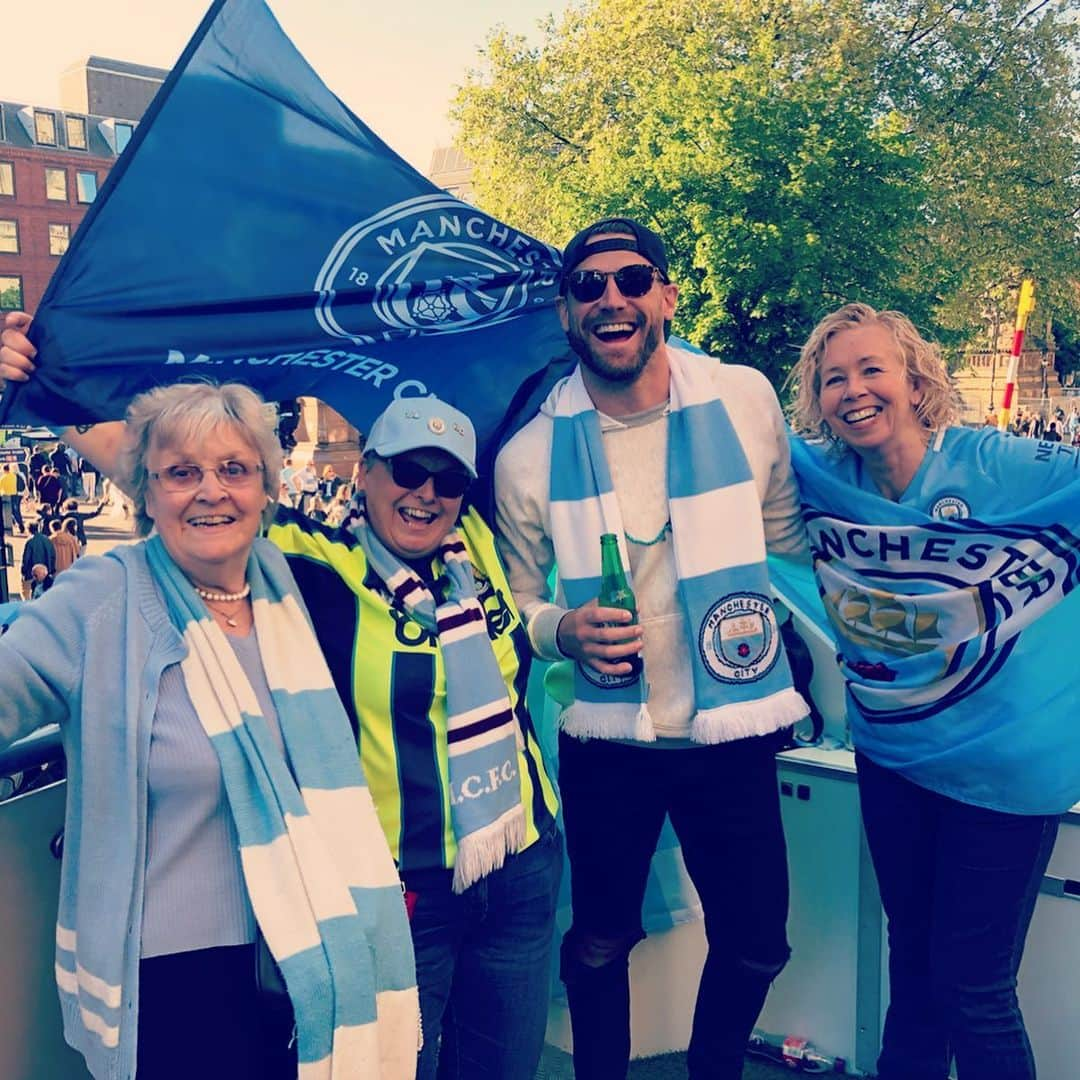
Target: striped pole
{"type": "Point", "coordinates": [1025, 305]}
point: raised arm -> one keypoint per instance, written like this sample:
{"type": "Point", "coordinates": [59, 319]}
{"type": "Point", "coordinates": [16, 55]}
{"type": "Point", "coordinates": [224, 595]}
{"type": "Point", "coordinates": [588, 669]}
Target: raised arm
{"type": "Point", "coordinates": [100, 443]}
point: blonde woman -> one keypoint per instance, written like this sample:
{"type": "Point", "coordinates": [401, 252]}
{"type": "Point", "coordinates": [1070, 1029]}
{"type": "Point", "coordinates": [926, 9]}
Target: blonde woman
{"type": "Point", "coordinates": [936, 548]}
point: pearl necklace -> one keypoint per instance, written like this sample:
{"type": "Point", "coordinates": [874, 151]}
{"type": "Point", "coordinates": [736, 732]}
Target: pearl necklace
{"type": "Point", "coordinates": [224, 597]}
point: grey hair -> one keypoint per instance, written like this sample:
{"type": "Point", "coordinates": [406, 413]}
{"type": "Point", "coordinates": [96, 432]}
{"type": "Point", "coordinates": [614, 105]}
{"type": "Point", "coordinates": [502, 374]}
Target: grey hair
{"type": "Point", "coordinates": [187, 413]}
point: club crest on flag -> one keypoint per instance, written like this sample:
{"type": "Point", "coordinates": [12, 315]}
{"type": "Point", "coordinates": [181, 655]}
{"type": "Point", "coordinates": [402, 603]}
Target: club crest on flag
{"type": "Point", "coordinates": [926, 616]}
{"type": "Point", "coordinates": [429, 265]}
{"type": "Point", "coordinates": [739, 638]}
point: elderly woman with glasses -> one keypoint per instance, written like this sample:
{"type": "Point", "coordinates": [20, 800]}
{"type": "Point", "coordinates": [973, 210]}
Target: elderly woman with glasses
{"type": "Point", "coordinates": [428, 653]}
{"type": "Point", "coordinates": [218, 823]}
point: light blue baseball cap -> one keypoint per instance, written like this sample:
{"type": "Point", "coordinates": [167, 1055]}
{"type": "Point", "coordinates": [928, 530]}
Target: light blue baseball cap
{"type": "Point", "coordinates": [415, 423]}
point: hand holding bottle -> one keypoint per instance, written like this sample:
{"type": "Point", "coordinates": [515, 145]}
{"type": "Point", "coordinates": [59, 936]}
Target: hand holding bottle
{"type": "Point", "coordinates": [602, 637]}
{"type": "Point", "coordinates": [604, 633]}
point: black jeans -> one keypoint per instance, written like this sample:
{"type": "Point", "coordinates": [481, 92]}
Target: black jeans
{"type": "Point", "coordinates": [959, 885]}
{"type": "Point", "coordinates": [725, 808]}
{"type": "Point", "coordinates": [200, 1016]}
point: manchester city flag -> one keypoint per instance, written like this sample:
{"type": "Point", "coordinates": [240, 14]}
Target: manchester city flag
{"type": "Point", "coordinates": [255, 229]}
{"type": "Point", "coordinates": [950, 628]}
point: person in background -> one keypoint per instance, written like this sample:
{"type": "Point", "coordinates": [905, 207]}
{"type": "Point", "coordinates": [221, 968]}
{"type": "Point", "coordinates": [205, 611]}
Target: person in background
{"type": "Point", "coordinates": [70, 510]}
{"type": "Point", "coordinates": [329, 483]}
{"type": "Point", "coordinates": [50, 492]}
{"type": "Point", "coordinates": [217, 812]}
{"type": "Point", "coordinates": [961, 794]}
{"type": "Point", "coordinates": [412, 609]}
{"type": "Point", "coordinates": [306, 482]}
{"type": "Point", "coordinates": [65, 543]}
{"type": "Point", "coordinates": [61, 464]}
{"type": "Point", "coordinates": [38, 460]}
{"type": "Point", "coordinates": [686, 460]}
{"type": "Point", "coordinates": [74, 477]}
{"type": "Point", "coordinates": [41, 581]}
{"type": "Point", "coordinates": [339, 504]}
{"type": "Point", "coordinates": [12, 496]}
{"type": "Point", "coordinates": [37, 549]}
{"type": "Point", "coordinates": [89, 480]}
{"type": "Point", "coordinates": [287, 488]}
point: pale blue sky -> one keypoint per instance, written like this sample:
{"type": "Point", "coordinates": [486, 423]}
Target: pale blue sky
{"type": "Point", "coordinates": [395, 64]}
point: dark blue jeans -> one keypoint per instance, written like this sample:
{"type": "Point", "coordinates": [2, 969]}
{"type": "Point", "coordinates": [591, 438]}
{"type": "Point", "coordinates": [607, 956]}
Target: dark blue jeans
{"type": "Point", "coordinates": [483, 966]}
{"type": "Point", "coordinates": [724, 805]}
{"type": "Point", "coordinates": [959, 885]}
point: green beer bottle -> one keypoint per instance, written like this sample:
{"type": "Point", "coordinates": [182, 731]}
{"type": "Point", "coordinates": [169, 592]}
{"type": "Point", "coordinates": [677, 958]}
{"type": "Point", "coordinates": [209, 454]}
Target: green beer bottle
{"type": "Point", "coordinates": [615, 592]}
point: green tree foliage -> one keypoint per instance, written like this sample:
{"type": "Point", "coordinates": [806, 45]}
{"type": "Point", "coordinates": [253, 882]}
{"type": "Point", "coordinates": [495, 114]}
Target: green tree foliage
{"type": "Point", "coordinates": [796, 154]}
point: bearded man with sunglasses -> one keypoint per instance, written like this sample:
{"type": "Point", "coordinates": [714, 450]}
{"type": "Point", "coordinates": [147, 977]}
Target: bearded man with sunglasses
{"type": "Point", "coordinates": [686, 461]}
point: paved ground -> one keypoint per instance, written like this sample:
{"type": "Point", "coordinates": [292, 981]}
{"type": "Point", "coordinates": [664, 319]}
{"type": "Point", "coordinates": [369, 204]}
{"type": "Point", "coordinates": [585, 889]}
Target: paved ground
{"type": "Point", "coordinates": [102, 533]}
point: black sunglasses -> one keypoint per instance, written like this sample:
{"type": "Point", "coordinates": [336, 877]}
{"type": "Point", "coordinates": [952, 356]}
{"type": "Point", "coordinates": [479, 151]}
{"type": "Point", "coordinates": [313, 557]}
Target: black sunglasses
{"type": "Point", "coordinates": [632, 281]}
{"type": "Point", "coordinates": [409, 474]}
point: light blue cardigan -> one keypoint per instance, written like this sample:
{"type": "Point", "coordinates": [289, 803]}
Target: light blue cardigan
{"type": "Point", "coordinates": [89, 655]}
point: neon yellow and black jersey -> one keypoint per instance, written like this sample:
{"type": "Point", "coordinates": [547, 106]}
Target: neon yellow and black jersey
{"type": "Point", "coordinates": [389, 673]}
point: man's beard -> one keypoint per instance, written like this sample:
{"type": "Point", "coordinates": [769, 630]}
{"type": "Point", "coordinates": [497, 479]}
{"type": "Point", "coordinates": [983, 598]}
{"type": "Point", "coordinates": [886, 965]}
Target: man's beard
{"type": "Point", "coordinates": [624, 373]}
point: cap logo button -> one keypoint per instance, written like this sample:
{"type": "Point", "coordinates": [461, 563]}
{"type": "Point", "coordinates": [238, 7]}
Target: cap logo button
{"type": "Point", "coordinates": [437, 425]}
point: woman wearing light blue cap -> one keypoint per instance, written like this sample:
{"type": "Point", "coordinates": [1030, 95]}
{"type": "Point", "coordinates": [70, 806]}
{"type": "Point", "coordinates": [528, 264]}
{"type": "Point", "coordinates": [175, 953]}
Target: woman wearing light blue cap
{"type": "Point", "coordinates": [415, 617]}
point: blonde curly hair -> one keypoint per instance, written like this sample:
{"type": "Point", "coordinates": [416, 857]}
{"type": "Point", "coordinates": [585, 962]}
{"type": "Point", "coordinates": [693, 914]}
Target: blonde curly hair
{"type": "Point", "coordinates": [940, 403]}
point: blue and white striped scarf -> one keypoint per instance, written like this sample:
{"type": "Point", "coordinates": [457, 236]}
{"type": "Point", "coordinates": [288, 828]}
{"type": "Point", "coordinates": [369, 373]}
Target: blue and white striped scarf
{"type": "Point", "coordinates": [742, 684]}
{"type": "Point", "coordinates": [482, 734]}
{"type": "Point", "coordinates": [322, 883]}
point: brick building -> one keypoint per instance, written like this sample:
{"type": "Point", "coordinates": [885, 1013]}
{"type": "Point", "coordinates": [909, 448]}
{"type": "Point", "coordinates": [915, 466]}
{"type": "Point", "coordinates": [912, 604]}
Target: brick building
{"type": "Point", "coordinates": [52, 165]}
{"type": "Point", "coordinates": [451, 170]}
{"type": "Point", "coordinates": [103, 87]}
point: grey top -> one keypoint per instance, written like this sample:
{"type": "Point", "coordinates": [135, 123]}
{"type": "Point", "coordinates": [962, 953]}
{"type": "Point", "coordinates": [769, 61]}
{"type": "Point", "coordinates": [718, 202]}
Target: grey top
{"type": "Point", "coordinates": [195, 892]}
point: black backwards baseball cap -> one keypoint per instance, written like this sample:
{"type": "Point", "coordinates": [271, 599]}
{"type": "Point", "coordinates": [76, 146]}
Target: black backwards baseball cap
{"type": "Point", "coordinates": [633, 237]}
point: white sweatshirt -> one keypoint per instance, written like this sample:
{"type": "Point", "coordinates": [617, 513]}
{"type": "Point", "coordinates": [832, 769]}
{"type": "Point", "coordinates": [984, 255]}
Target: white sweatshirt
{"type": "Point", "coordinates": [636, 448]}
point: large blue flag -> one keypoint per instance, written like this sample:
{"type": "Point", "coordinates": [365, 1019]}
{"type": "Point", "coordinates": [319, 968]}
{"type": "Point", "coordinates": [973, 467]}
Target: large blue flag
{"type": "Point", "coordinates": [255, 229]}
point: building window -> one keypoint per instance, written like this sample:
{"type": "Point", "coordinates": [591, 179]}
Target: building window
{"type": "Point", "coordinates": [9, 236]}
{"type": "Point", "coordinates": [86, 186]}
{"type": "Point", "coordinates": [7, 178]}
{"type": "Point", "coordinates": [11, 298]}
{"type": "Point", "coordinates": [76, 132]}
{"type": "Point", "coordinates": [56, 185]}
{"type": "Point", "coordinates": [45, 128]}
{"type": "Point", "coordinates": [123, 136]}
{"type": "Point", "coordinates": [59, 238]}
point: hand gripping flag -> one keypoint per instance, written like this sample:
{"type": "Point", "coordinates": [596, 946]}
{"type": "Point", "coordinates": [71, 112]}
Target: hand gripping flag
{"type": "Point", "coordinates": [256, 230]}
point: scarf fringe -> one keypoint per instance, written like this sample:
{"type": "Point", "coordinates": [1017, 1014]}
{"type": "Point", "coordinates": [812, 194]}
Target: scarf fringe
{"type": "Point", "coordinates": [485, 850]}
{"type": "Point", "coordinates": [745, 719]}
{"type": "Point", "coordinates": [587, 720]}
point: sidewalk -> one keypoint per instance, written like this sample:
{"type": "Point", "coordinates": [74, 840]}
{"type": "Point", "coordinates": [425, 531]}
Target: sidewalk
{"type": "Point", "coordinates": [102, 533]}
